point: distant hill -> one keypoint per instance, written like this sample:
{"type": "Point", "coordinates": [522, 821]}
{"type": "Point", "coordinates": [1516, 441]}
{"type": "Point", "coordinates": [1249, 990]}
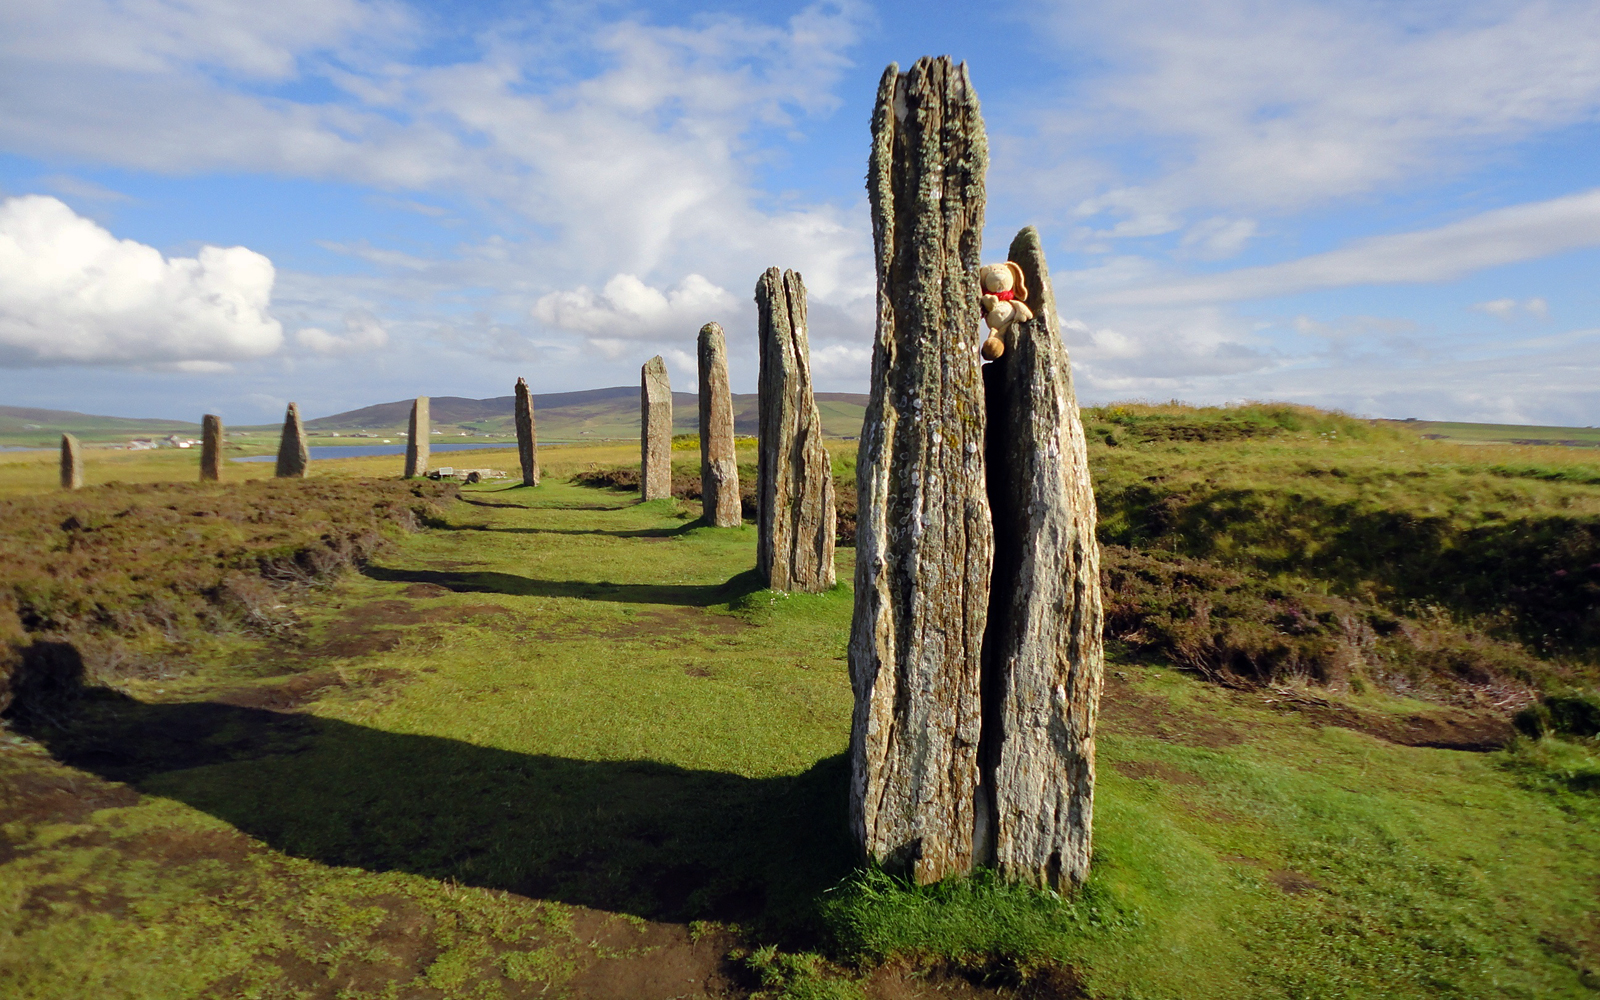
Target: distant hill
{"type": "Point", "coordinates": [1469, 433]}
{"type": "Point", "coordinates": [35, 426]}
{"type": "Point", "coordinates": [592, 413]}
{"type": "Point", "coordinates": [589, 414]}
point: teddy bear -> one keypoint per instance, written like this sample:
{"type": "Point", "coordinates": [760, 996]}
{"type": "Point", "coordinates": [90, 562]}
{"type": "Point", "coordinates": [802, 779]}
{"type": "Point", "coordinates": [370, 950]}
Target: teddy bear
{"type": "Point", "coordinates": [1004, 302]}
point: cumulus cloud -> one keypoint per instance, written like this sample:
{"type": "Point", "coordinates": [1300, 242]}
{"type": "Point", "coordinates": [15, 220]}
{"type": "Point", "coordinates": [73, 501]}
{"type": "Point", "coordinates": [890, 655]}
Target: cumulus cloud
{"type": "Point", "coordinates": [72, 293]}
{"type": "Point", "coordinates": [628, 309]}
{"type": "Point", "coordinates": [1503, 236]}
{"type": "Point", "coordinates": [362, 332]}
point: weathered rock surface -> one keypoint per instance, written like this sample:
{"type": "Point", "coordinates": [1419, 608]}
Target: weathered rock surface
{"type": "Point", "coordinates": [1043, 658]}
{"type": "Point", "coordinates": [294, 458]}
{"type": "Point", "coordinates": [923, 536]}
{"type": "Point", "coordinates": [719, 464]}
{"type": "Point", "coordinates": [420, 431]}
{"type": "Point", "coordinates": [794, 491]}
{"type": "Point", "coordinates": [210, 448]}
{"type": "Point", "coordinates": [71, 462]}
{"type": "Point", "coordinates": [655, 431]}
{"type": "Point", "coordinates": [527, 438]}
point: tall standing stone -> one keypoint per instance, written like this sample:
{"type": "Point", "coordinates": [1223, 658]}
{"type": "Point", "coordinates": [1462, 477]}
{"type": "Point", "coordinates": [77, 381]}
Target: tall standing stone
{"type": "Point", "coordinates": [923, 537]}
{"type": "Point", "coordinates": [293, 455]}
{"type": "Point", "coordinates": [719, 463]}
{"type": "Point", "coordinates": [71, 463]}
{"type": "Point", "coordinates": [795, 518]}
{"type": "Point", "coordinates": [1043, 658]}
{"type": "Point", "coordinates": [210, 448]}
{"type": "Point", "coordinates": [655, 431]}
{"type": "Point", "coordinates": [417, 444]}
{"type": "Point", "coordinates": [527, 439]}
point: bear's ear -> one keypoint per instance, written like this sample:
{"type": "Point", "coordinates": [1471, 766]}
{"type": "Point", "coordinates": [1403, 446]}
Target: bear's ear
{"type": "Point", "coordinates": [1020, 286]}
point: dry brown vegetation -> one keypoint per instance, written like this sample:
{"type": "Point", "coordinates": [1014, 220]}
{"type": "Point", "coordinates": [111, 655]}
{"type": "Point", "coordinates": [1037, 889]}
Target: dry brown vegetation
{"type": "Point", "coordinates": [120, 572]}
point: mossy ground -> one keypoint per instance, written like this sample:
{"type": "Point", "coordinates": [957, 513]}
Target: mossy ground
{"type": "Point", "coordinates": [558, 742]}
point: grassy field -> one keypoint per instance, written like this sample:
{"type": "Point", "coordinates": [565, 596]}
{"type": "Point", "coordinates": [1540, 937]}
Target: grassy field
{"type": "Point", "coordinates": [559, 743]}
{"type": "Point", "coordinates": [1469, 433]}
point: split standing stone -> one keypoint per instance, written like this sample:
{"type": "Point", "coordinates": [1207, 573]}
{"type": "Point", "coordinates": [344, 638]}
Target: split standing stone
{"type": "Point", "coordinates": [527, 439]}
{"type": "Point", "coordinates": [795, 517]}
{"type": "Point", "coordinates": [1043, 657]}
{"type": "Point", "coordinates": [719, 463]}
{"type": "Point", "coordinates": [210, 448]}
{"type": "Point", "coordinates": [924, 539]}
{"type": "Point", "coordinates": [71, 463]}
{"type": "Point", "coordinates": [655, 431]}
{"type": "Point", "coordinates": [293, 455]}
{"type": "Point", "coordinates": [417, 444]}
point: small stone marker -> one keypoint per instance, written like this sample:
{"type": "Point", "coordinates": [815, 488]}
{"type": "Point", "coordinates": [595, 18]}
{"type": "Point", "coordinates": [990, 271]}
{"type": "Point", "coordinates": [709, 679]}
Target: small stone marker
{"type": "Point", "coordinates": [417, 444]}
{"type": "Point", "coordinates": [924, 541]}
{"type": "Point", "coordinates": [210, 448]}
{"type": "Point", "coordinates": [719, 464]}
{"type": "Point", "coordinates": [795, 519]}
{"type": "Point", "coordinates": [71, 463]}
{"type": "Point", "coordinates": [1043, 655]}
{"type": "Point", "coordinates": [293, 455]}
{"type": "Point", "coordinates": [655, 431]}
{"type": "Point", "coordinates": [527, 439]}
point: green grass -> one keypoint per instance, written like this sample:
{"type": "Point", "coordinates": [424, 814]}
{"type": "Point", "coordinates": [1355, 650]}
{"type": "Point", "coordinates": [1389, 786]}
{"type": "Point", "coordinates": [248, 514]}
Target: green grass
{"type": "Point", "coordinates": [1494, 552]}
{"type": "Point", "coordinates": [479, 766]}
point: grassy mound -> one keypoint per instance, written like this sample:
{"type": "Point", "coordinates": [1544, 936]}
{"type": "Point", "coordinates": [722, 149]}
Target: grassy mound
{"type": "Point", "coordinates": [129, 572]}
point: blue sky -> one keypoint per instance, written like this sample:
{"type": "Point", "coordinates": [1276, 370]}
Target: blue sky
{"type": "Point", "coordinates": [1391, 208]}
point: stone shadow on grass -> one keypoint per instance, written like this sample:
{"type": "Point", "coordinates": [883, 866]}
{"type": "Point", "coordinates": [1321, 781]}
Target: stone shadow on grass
{"type": "Point", "coordinates": [488, 582]}
{"type": "Point", "coordinates": [672, 532]}
{"type": "Point", "coordinates": [655, 840]}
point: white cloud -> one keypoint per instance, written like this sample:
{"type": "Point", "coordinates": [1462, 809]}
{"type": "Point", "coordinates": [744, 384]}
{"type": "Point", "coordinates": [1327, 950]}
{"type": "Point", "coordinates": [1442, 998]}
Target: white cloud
{"type": "Point", "coordinates": [1246, 107]}
{"type": "Point", "coordinates": [362, 332]}
{"type": "Point", "coordinates": [844, 363]}
{"type": "Point", "coordinates": [1503, 236]}
{"type": "Point", "coordinates": [635, 163]}
{"type": "Point", "coordinates": [77, 187]}
{"type": "Point", "coordinates": [628, 309]}
{"type": "Point", "coordinates": [1498, 308]}
{"type": "Point", "coordinates": [71, 293]}
{"type": "Point", "coordinates": [1507, 309]}
{"type": "Point", "coordinates": [251, 40]}
{"type": "Point", "coordinates": [586, 145]}
{"type": "Point", "coordinates": [1218, 238]}
{"type": "Point", "coordinates": [1150, 346]}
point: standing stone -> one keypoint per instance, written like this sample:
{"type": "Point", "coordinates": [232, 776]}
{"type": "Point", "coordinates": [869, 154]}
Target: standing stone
{"type": "Point", "coordinates": [923, 537]}
{"type": "Point", "coordinates": [71, 463]}
{"type": "Point", "coordinates": [417, 444]}
{"type": "Point", "coordinates": [210, 448]}
{"type": "Point", "coordinates": [527, 440]}
{"type": "Point", "coordinates": [795, 519]}
{"type": "Point", "coordinates": [719, 464]}
{"type": "Point", "coordinates": [1043, 658]}
{"type": "Point", "coordinates": [655, 431]}
{"type": "Point", "coordinates": [293, 455]}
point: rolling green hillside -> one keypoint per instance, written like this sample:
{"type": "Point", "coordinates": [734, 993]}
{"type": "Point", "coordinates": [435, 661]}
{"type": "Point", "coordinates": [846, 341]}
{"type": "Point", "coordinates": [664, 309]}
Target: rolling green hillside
{"type": "Point", "coordinates": [350, 739]}
{"type": "Point", "coordinates": [1468, 433]}
{"type": "Point", "coordinates": [22, 425]}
